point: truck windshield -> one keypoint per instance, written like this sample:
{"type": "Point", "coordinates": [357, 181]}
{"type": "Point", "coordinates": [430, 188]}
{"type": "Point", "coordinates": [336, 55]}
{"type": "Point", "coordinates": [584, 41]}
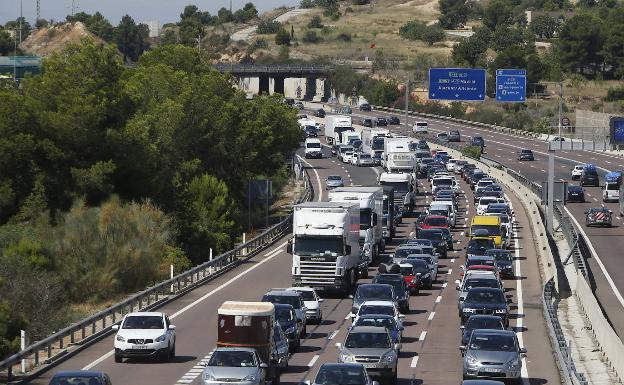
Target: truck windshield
{"type": "Point", "coordinates": [365, 219]}
{"type": "Point", "coordinates": [492, 230]}
{"type": "Point", "coordinates": [400, 187]}
{"type": "Point", "coordinates": [306, 246]}
{"type": "Point", "coordinates": [378, 143]}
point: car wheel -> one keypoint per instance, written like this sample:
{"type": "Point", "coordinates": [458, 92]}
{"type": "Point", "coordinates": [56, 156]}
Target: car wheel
{"type": "Point", "coordinates": [305, 330]}
{"type": "Point", "coordinates": [118, 358]}
{"type": "Point", "coordinates": [172, 353]}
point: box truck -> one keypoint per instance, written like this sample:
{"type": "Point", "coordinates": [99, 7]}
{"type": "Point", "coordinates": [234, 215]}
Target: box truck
{"type": "Point", "coordinates": [335, 125]}
{"type": "Point", "coordinates": [397, 155]}
{"type": "Point", "coordinates": [373, 142]}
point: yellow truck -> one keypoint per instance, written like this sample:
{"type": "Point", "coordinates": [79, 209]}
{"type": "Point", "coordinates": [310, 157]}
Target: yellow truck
{"type": "Point", "coordinates": [488, 226]}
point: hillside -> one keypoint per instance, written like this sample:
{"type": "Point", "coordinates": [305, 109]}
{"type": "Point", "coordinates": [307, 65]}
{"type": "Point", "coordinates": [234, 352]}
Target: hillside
{"type": "Point", "coordinates": [44, 41]}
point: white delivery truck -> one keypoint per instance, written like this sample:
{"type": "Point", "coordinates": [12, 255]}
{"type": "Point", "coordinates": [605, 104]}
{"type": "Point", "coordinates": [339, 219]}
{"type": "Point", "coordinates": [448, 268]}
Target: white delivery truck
{"type": "Point", "coordinates": [348, 137]}
{"type": "Point", "coordinates": [325, 246]}
{"type": "Point", "coordinates": [404, 189]}
{"type": "Point", "coordinates": [335, 125]}
{"type": "Point", "coordinates": [370, 200]}
{"type": "Point", "coordinates": [313, 148]}
{"type": "Point", "coordinates": [397, 155]}
{"type": "Point", "coordinates": [373, 143]}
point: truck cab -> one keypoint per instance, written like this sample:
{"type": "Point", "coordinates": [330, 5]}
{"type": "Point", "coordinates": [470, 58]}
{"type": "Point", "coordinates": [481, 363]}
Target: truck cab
{"type": "Point", "coordinates": [488, 226]}
{"type": "Point", "coordinates": [388, 224]}
{"type": "Point", "coordinates": [404, 189]}
{"type": "Point", "coordinates": [313, 148]}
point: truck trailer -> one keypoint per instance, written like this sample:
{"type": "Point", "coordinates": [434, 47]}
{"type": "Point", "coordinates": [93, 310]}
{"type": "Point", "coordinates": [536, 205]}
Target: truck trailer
{"type": "Point", "coordinates": [335, 125]}
{"type": "Point", "coordinates": [373, 141]}
{"type": "Point", "coordinates": [398, 156]}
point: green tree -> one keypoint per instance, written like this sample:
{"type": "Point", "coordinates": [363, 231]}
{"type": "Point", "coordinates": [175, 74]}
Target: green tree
{"type": "Point", "coordinates": [433, 34]}
{"type": "Point", "coordinates": [315, 22]}
{"type": "Point", "coordinates": [453, 13]}
{"type": "Point", "coordinates": [311, 37]}
{"type": "Point", "coordinates": [413, 30]}
{"type": "Point", "coordinates": [544, 26]}
{"type": "Point", "coordinates": [15, 25]}
{"type": "Point", "coordinates": [225, 15]}
{"type": "Point", "coordinates": [268, 27]}
{"type": "Point", "coordinates": [7, 43]}
{"type": "Point", "coordinates": [504, 36]}
{"type": "Point", "coordinates": [41, 23]}
{"type": "Point", "coordinates": [613, 48]}
{"type": "Point", "coordinates": [282, 37]}
{"type": "Point", "coordinates": [580, 44]}
{"type": "Point", "coordinates": [471, 50]}
{"type": "Point", "coordinates": [498, 13]}
{"type": "Point", "coordinates": [131, 38]}
{"type": "Point", "coordinates": [101, 27]}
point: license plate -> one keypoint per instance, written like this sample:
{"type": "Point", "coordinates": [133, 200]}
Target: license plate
{"type": "Point", "coordinates": [139, 347]}
{"type": "Point", "coordinates": [370, 364]}
{"type": "Point", "coordinates": [492, 370]}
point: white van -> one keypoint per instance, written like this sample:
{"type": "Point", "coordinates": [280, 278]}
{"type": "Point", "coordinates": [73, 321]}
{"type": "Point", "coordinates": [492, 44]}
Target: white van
{"type": "Point", "coordinates": [611, 192]}
{"type": "Point", "coordinates": [313, 148]}
{"type": "Point", "coordinates": [420, 128]}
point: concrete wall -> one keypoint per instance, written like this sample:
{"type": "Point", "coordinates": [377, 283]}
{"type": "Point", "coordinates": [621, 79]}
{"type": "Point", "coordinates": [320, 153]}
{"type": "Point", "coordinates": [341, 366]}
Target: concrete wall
{"type": "Point", "coordinates": [252, 86]}
{"type": "Point", "coordinates": [591, 126]}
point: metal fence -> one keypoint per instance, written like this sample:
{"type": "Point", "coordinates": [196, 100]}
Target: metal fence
{"type": "Point", "coordinates": [98, 325]}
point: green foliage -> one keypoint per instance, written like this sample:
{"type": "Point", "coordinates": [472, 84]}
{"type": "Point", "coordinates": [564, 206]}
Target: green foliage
{"type": "Point", "coordinates": [131, 38]}
{"type": "Point", "coordinates": [344, 36]}
{"type": "Point", "coordinates": [377, 92]}
{"type": "Point", "coordinates": [473, 152]}
{"type": "Point", "coordinates": [7, 44]}
{"type": "Point", "coordinates": [247, 13]}
{"type": "Point", "coordinates": [544, 26]}
{"type": "Point", "coordinates": [257, 44]}
{"type": "Point", "coordinates": [580, 43]}
{"type": "Point", "coordinates": [498, 13]}
{"type": "Point", "coordinates": [614, 94]}
{"type": "Point", "coordinates": [311, 37]}
{"type": "Point", "coordinates": [504, 37]}
{"type": "Point", "coordinates": [282, 37]}
{"type": "Point", "coordinates": [97, 24]}
{"type": "Point", "coordinates": [15, 25]}
{"type": "Point", "coordinates": [268, 27]}
{"type": "Point", "coordinates": [360, 2]}
{"type": "Point", "coordinates": [305, 4]}
{"type": "Point", "coordinates": [453, 13]}
{"type": "Point", "coordinates": [315, 22]}
{"type": "Point", "coordinates": [470, 51]}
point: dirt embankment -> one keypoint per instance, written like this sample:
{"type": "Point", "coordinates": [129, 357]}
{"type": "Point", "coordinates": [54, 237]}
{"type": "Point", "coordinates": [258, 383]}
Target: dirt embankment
{"type": "Point", "coordinates": [45, 41]}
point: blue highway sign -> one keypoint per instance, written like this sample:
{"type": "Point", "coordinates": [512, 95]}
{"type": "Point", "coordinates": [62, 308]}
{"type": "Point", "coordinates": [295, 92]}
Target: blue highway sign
{"type": "Point", "coordinates": [510, 85]}
{"type": "Point", "coordinates": [460, 84]}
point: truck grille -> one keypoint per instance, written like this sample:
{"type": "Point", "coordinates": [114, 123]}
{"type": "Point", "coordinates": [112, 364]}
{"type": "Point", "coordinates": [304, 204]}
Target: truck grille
{"type": "Point", "coordinates": [317, 272]}
{"type": "Point", "coordinates": [367, 358]}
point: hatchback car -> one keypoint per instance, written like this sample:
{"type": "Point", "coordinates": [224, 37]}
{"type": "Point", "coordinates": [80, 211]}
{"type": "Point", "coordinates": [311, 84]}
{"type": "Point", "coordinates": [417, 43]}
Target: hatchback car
{"type": "Point", "coordinates": [394, 120]}
{"type": "Point", "coordinates": [287, 319]}
{"type": "Point", "coordinates": [420, 128]}
{"type": "Point", "coordinates": [485, 300]}
{"type": "Point", "coordinates": [365, 107]}
{"type": "Point", "coordinates": [291, 298]}
{"type": "Point", "coordinates": [454, 136]}
{"type": "Point", "coordinates": [401, 290]}
{"type": "Point", "coordinates": [589, 176]}
{"type": "Point", "coordinates": [598, 216]}
{"type": "Point", "coordinates": [332, 374]}
{"type": "Point", "coordinates": [364, 160]}
{"type": "Point", "coordinates": [411, 277]}
{"type": "Point", "coordinates": [320, 113]}
{"type": "Point", "coordinates": [373, 347]}
{"type": "Point", "coordinates": [312, 302]}
{"type": "Point", "coordinates": [443, 136]}
{"type": "Point", "coordinates": [367, 122]}
{"type": "Point", "coordinates": [423, 271]}
{"type": "Point", "coordinates": [90, 377]}
{"type": "Point", "coordinates": [577, 171]}
{"type": "Point", "coordinates": [371, 292]}
{"type": "Point", "coordinates": [493, 354]}
{"type": "Point", "coordinates": [504, 262]}
{"type": "Point", "coordinates": [145, 334]}
{"type": "Point", "coordinates": [333, 181]}
{"type": "Point", "coordinates": [438, 239]}
{"type": "Point", "coordinates": [385, 321]}
{"type": "Point", "coordinates": [381, 121]}
{"type": "Point", "coordinates": [235, 365]}
{"type": "Point", "coordinates": [525, 154]}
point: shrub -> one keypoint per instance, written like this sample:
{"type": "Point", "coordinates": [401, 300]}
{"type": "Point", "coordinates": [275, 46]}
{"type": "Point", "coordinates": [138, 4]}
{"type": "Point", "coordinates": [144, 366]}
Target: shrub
{"type": "Point", "coordinates": [472, 152]}
{"type": "Point", "coordinates": [268, 27]}
{"type": "Point", "coordinates": [417, 30]}
{"type": "Point", "coordinates": [307, 4]}
{"type": "Point", "coordinates": [360, 2]}
{"type": "Point", "coordinates": [614, 94]}
{"type": "Point", "coordinates": [282, 37]}
{"type": "Point", "coordinates": [311, 37]}
{"type": "Point", "coordinates": [315, 22]}
{"type": "Point", "coordinates": [345, 36]}
{"type": "Point", "coordinates": [257, 44]}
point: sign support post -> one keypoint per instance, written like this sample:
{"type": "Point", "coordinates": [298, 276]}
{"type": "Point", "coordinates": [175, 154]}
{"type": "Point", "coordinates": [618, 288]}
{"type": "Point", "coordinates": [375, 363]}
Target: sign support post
{"type": "Point", "coordinates": [551, 192]}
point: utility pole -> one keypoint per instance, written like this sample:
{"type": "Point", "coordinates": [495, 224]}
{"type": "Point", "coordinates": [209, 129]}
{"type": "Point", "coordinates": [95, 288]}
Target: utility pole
{"type": "Point", "coordinates": [20, 23]}
{"type": "Point", "coordinates": [230, 6]}
{"type": "Point", "coordinates": [15, 57]}
{"type": "Point", "coordinates": [407, 85]}
{"type": "Point", "coordinates": [199, 39]}
{"type": "Point", "coordinates": [73, 7]}
{"type": "Point", "coordinates": [560, 111]}
{"type": "Point", "coordinates": [38, 9]}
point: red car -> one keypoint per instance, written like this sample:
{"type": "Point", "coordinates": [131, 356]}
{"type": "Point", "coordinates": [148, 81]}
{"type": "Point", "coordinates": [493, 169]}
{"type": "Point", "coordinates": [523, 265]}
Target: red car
{"type": "Point", "coordinates": [435, 222]}
{"type": "Point", "coordinates": [412, 280]}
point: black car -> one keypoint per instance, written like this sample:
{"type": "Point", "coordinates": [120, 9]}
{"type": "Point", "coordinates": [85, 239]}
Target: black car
{"type": "Point", "coordinates": [479, 322]}
{"type": "Point", "coordinates": [423, 271]}
{"type": "Point", "coordinates": [320, 113]}
{"type": "Point", "coordinates": [287, 319]}
{"type": "Point", "coordinates": [598, 216]}
{"type": "Point", "coordinates": [381, 122]}
{"type": "Point", "coordinates": [575, 194]}
{"type": "Point", "coordinates": [394, 120]}
{"type": "Point", "coordinates": [400, 288]}
{"type": "Point", "coordinates": [437, 238]}
{"type": "Point", "coordinates": [367, 122]}
{"type": "Point", "coordinates": [365, 107]}
{"type": "Point", "coordinates": [525, 155]}
{"type": "Point", "coordinates": [311, 131]}
{"type": "Point", "coordinates": [504, 262]}
{"type": "Point", "coordinates": [589, 177]}
{"type": "Point", "coordinates": [479, 246]}
{"type": "Point", "coordinates": [477, 141]}
{"type": "Point", "coordinates": [486, 301]}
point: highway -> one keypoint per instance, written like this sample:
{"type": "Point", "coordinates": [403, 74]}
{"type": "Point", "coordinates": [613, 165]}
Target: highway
{"type": "Point", "coordinates": [430, 353]}
{"type": "Point", "coordinates": [607, 243]}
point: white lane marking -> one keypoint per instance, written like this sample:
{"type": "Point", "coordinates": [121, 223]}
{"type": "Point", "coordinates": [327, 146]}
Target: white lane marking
{"type": "Point", "coordinates": [184, 381]}
{"type": "Point", "coordinates": [414, 362]}
{"type": "Point", "coordinates": [422, 336]}
{"type": "Point", "coordinates": [595, 200]}
{"type": "Point", "coordinates": [331, 336]}
{"type": "Point", "coordinates": [450, 271]}
{"type": "Point", "coordinates": [614, 288]}
{"type": "Point", "coordinates": [431, 316]}
{"type": "Point", "coordinates": [606, 161]}
{"type": "Point", "coordinates": [445, 284]}
{"type": "Point", "coordinates": [195, 370]}
{"type": "Point", "coordinates": [376, 171]}
{"type": "Point", "coordinates": [197, 301]}
{"type": "Point", "coordinates": [524, 371]}
{"type": "Point", "coordinates": [438, 299]}
{"type": "Point", "coordinates": [313, 360]}
{"type": "Point", "coordinates": [318, 178]}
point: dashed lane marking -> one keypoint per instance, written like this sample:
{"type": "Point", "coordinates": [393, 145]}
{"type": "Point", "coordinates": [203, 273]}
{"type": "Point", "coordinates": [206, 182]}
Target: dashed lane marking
{"type": "Point", "coordinates": [438, 299]}
{"type": "Point", "coordinates": [414, 362]}
{"type": "Point", "coordinates": [313, 360]}
{"type": "Point", "coordinates": [431, 316]}
{"type": "Point", "coordinates": [331, 336]}
{"type": "Point", "coordinates": [450, 271]}
{"type": "Point", "coordinates": [422, 336]}
{"type": "Point", "coordinates": [445, 284]}
{"type": "Point", "coordinates": [453, 259]}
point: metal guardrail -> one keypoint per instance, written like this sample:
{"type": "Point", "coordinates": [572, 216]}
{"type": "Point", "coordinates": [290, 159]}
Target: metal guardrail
{"type": "Point", "coordinates": [92, 328]}
{"type": "Point", "coordinates": [271, 69]}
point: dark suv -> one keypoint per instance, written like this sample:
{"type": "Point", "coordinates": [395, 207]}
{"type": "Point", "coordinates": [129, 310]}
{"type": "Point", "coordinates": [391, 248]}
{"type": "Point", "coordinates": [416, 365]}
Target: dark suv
{"type": "Point", "coordinates": [477, 141]}
{"type": "Point", "coordinates": [589, 177]}
{"type": "Point", "coordinates": [400, 288]}
{"type": "Point", "coordinates": [487, 301]}
{"type": "Point", "coordinates": [525, 155]}
{"type": "Point", "coordinates": [365, 107]}
{"type": "Point", "coordinates": [381, 122]}
{"type": "Point", "coordinates": [366, 122]}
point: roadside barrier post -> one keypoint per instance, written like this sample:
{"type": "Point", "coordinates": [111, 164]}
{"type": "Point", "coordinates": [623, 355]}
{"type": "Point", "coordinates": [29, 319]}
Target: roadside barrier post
{"type": "Point", "coordinates": [171, 276]}
{"type": "Point", "coordinates": [211, 267]}
{"type": "Point", "coordinates": [244, 249]}
{"type": "Point", "coordinates": [22, 347]}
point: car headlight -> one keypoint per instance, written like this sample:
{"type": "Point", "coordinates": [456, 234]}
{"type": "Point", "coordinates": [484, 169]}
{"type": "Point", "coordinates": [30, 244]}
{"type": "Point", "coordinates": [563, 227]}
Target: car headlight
{"type": "Point", "coordinates": [291, 330]}
{"type": "Point", "coordinates": [471, 361]}
{"type": "Point", "coordinates": [500, 311]}
{"type": "Point", "coordinates": [414, 281]}
{"type": "Point", "coordinates": [120, 338]}
{"type": "Point", "coordinates": [346, 357]}
{"type": "Point", "coordinates": [514, 363]}
{"type": "Point", "coordinates": [468, 310]}
{"type": "Point", "coordinates": [161, 338]}
{"type": "Point", "coordinates": [251, 377]}
{"type": "Point", "coordinates": [209, 377]}
{"type": "Point", "coordinates": [425, 275]}
{"type": "Point", "coordinates": [389, 357]}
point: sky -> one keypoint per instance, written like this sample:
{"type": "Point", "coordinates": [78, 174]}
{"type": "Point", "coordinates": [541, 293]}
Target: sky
{"type": "Point", "coordinates": [164, 11]}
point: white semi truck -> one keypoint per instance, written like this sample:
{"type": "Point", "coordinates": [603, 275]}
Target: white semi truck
{"type": "Point", "coordinates": [325, 246]}
{"type": "Point", "coordinates": [404, 188]}
{"type": "Point", "coordinates": [373, 142]}
{"type": "Point", "coordinates": [370, 200]}
{"type": "Point", "coordinates": [397, 155]}
{"type": "Point", "coordinates": [335, 125]}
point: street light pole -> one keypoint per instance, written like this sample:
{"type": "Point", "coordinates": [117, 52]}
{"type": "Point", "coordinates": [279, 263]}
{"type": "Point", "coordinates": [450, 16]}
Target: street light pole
{"type": "Point", "coordinates": [560, 112]}
{"type": "Point", "coordinates": [407, 83]}
{"type": "Point", "coordinates": [20, 21]}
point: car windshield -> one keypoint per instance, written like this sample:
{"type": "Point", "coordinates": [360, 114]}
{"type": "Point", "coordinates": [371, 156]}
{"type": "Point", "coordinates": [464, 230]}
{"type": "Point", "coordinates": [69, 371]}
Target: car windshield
{"type": "Point", "coordinates": [612, 187]}
{"type": "Point", "coordinates": [283, 315]}
{"type": "Point", "coordinates": [485, 296]}
{"type": "Point", "coordinates": [486, 230]}
{"type": "Point", "coordinates": [499, 255]}
{"type": "Point", "coordinates": [404, 252]}
{"type": "Point", "coordinates": [407, 271]}
{"type": "Point", "coordinates": [334, 178]}
{"type": "Point", "coordinates": [367, 340]}
{"type": "Point", "coordinates": [442, 182]}
{"type": "Point", "coordinates": [480, 261]}
{"type": "Point", "coordinates": [376, 309]}
{"type": "Point", "coordinates": [307, 295]}
{"type": "Point", "coordinates": [420, 242]}
{"type": "Point", "coordinates": [374, 291]}
{"type": "Point", "coordinates": [484, 323]}
{"type": "Point", "coordinates": [365, 156]}
{"type": "Point", "coordinates": [285, 299]}
{"type": "Point", "coordinates": [75, 380]}
{"type": "Point", "coordinates": [237, 359]}
{"type": "Point", "coordinates": [386, 322]}
{"type": "Point", "coordinates": [480, 282]}
{"type": "Point", "coordinates": [436, 221]}
{"type": "Point", "coordinates": [399, 187]}
{"type": "Point", "coordinates": [477, 248]}
{"type": "Point", "coordinates": [340, 375]}
{"type": "Point", "coordinates": [308, 246]}
{"type": "Point", "coordinates": [313, 145]}
{"type": "Point", "coordinates": [396, 283]}
{"type": "Point", "coordinates": [441, 212]}
{"type": "Point", "coordinates": [526, 152]}
{"type": "Point", "coordinates": [420, 266]}
{"type": "Point", "coordinates": [430, 234]}
{"type": "Point", "coordinates": [499, 343]}
{"type": "Point", "coordinates": [143, 322]}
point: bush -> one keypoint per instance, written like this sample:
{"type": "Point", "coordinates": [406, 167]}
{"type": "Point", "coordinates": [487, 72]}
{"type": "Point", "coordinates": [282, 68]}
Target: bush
{"type": "Point", "coordinates": [472, 152]}
{"type": "Point", "coordinates": [307, 4]}
{"type": "Point", "coordinates": [417, 30]}
{"type": "Point", "coordinates": [315, 22]}
{"type": "Point", "coordinates": [614, 94]}
{"type": "Point", "coordinates": [257, 44]}
{"type": "Point", "coordinates": [311, 37]}
{"type": "Point", "coordinates": [360, 2]}
{"type": "Point", "coordinates": [345, 36]}
{"type": "Point", "coordinates": [282, 37]}
{"type": "Point", "coordinates": [268, 27]}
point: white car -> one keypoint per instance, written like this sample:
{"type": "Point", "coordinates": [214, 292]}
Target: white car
{"type": "Point", "coordinates": [145, 334]}
{"type": "Point", "coordinates": [346, 157]}
{"type": "Point", "coordinates": [354, 158]}
{"type": "Point", "coordinates": [379, 307]}
{"type": "Point", "coordinates": [312, 302]}
{"type": "Point", "coordinates": [420, 128]}
{"type": "Point", "coordinates": [577, 171]}
{"type": "Point", "coordinates": [485, 201]}
{"type": "Point", "coordinates": [450, 165]}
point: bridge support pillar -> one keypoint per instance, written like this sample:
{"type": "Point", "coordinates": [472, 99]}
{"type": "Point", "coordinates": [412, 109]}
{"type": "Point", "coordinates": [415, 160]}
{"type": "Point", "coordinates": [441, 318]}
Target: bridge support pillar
{"type": "Point", "coordinates": [326, 91]}
{"type": "Point", "coordinates": [310, 90]}
{"type": "Point", "coordinates": [278, 84]}
{"type": "Point", "coordinates": [264, 85]}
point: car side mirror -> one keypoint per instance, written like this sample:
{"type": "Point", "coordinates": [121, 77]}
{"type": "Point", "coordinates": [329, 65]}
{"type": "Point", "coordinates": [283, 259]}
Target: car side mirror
{"type": "Point", "coordinates": [350, 296]}
{"type": "Point", "coordinates": [172, 327]}
{"type": "Point", "coordinates": [462, 348]}
{"type": "Point", "coordinates": [338, 345]}
{"type": "Point", "coordinates": [321, 300]}
{"type": "Point", "coordinates": [115, 327]}
{"type": "Point", "coordinates": [289, 247]}
{"type": "Point", "coordinates": [398, 346]}
{"type": "Point", "coordinates": [610, 212]}
{"type": "Point", "coordinates": [375, 383]}
{"type": "Point", "coordinates": [457, 288]}
{"type": "Point", "coordinates": [307, 382]}
{"type": "Point", "coordinates": [462, 327]}
{"type": "Point", "coordinates": [522, 351]}
{"type": "Point", "coordinates": [586, 212]}
{"type": "Point", "coordinates": [401, 315]}
{"type": "Point", "coordinates": [263, 365]}
{"type": "Point", "coordinates": [401, 328]}
{"type": "Point", "coordinates": [348, 249]}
